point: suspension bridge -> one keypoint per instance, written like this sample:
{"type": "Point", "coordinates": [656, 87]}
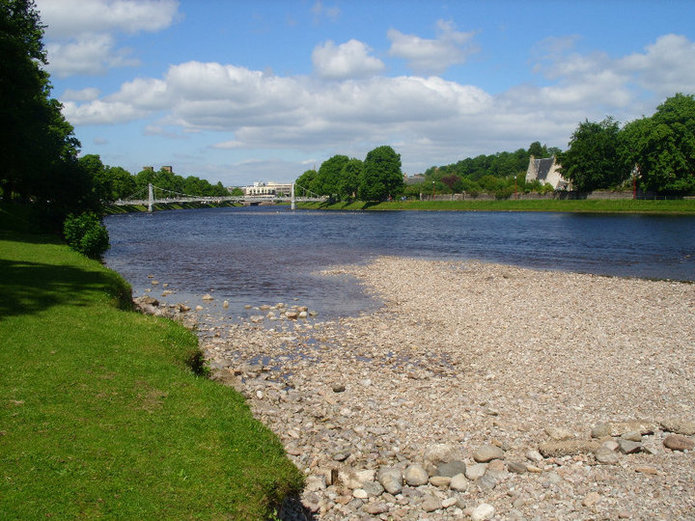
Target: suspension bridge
{"type": "Point", "coordinates": [151, 195]}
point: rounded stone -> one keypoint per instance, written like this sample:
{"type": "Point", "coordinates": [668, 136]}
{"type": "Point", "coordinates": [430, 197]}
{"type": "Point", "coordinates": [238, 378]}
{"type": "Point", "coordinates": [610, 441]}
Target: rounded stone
{"type": "Point", "coordinates": [415, 475]}
{"type": "Point", "coordinates": [431, 503]}
{"type": "Point", "coordinates": [451, 468]}
{"type": "Point", "coordinates": [606, 456]}
{"type": "Point", "coordinates": [391, 479]}
{"type": "Point", "coordinates": [459, 483]}
{"type": "Point", "coordinates": [678, 442]}
{"type": "Point", "coordinates": [488, 453]}
{"type": "Point", "coordinates": [483, 512]}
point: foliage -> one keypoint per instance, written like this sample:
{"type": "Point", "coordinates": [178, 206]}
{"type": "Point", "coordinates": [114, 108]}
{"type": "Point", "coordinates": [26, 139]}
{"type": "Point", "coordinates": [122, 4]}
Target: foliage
{"type": "Point", "coordinates": [663, 146]}
{"type": "Point", "coordinates": [349, 181]}
{"type": "Point", "coordinates": [381, 175]}
{"type": "Point", "coordinates": [86, 234]}
{"type": "Point", "coordinates": [191, 185]}
{"type": "Point", "coordinates": [37, 144]}
{"type": "Point", "coordinates": [101, 414]}
{"type": "Point", "coordinates": [328, 177]}
{"type": "Point", "coordinates": [306, 182]}
{"type": "Point", "coordinates": [592, 160]}
{"type": "Point", "coordinates": [236, 191]}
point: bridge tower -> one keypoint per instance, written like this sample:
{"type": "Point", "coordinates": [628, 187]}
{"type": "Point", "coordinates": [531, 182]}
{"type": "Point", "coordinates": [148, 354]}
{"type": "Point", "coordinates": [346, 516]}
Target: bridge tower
{"type": "Point", "coordinates": [150, 197]}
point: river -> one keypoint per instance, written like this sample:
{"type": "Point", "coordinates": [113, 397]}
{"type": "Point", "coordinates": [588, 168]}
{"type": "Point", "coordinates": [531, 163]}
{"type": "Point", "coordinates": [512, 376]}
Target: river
{"type": "Point", "coordinates": [265, 255]}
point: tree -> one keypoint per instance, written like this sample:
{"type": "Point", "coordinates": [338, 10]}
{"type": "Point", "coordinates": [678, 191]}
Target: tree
{"type": "Point", "coordinates": [592, 160]}
{"type": "Point", "coordinates": [305, 182]}
{"type": "Point", "coordinates": [663, 146]}
{"type": "Point", "coordinates": [381, 175]}
{"type": "Point", "coordinates": [349, 180]}
{"type": "Point", "coordinates": [37, 144]}
{"type": "Point", "coordinates": [328, 177]}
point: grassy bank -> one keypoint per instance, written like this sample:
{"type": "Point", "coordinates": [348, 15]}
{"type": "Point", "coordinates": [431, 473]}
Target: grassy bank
{"type": "Point", "coordinates": [684, 206]}
{"type": "Point", "coordinates": [100, 416]}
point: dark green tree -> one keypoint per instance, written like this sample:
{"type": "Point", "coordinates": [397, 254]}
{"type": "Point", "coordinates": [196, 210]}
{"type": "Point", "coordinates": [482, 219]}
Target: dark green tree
{"type": "Point", "coordinates": [663, 147]}
{"type": "Point", "coordinates": [305, 183]}
{"type": "Point", "coordinates": [592, 160]}
{"type": "Point", "coordinates": [349, 180]}
{"type": "Point", "coordinates": [36, 142]}
{"type": "Point", "coordinates": [381, 175]}
{"type": "Point", "coordinates": [328, 177]}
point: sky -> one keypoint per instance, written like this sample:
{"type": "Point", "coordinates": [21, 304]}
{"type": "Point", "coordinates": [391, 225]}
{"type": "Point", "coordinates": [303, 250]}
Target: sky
{"type": "Point", "coordinates": [241, 91]}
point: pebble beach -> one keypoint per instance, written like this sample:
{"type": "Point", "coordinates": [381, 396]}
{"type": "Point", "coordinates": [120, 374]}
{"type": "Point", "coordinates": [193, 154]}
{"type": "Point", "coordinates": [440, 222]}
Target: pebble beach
{"type": "Point", "coordinates": [478, 391]}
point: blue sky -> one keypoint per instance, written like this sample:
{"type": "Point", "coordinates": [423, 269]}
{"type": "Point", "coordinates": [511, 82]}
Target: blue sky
{"type": "Point", "coordinates": [243, 91]}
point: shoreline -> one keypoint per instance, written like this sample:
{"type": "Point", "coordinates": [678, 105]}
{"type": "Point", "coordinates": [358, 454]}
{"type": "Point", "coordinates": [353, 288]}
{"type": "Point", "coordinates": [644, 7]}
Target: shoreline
{"type": "Point", "coordinates": [466, 355]}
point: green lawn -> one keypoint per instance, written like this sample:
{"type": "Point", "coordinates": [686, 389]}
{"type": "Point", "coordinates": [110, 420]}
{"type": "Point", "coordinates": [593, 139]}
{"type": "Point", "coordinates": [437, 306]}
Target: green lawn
{"type": "Point", "coordinates": [100, 418]}
{"type": "Point", "coordinates": [682, 206]}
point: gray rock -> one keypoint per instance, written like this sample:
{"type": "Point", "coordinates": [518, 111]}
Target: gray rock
{"type": "Point", "coordinates": [629, 447]}
{"type": "Point", "coordinates": [678, 442]}
{"type": "Point", "coordinates": [431, 503]}
{"type": "Point", "coordinates": [632, 436]}
{"type": "Point", "coordinates": [602, 430]}
{"type": "Point", "coordinates": [516, 467]}
{"type": "Point", "coordinates": [440, 481]}
{"type": "Point", "coordinates": [376, 508]}
{"type": "Point", "coordinates": [473, 472]}
{"type": "Point", "coordinates": [415, 475]}
{"type": "Point", "coordinates": [451, 468]}
{"type": "Point", "coordinates": [606, 456]}
{"type": "Point", "coordinates": [483, 512]}
{"type": "Point", "coordinates": [435, 455]}
{"type": "Point", "coordinates": [391, 479]}
{"type": "Point", "coordinates": [534, 455]}
{"type": "Point", "coordinates": [373, 488]}
{"type": "Point", "coordinates": [488, 453]}
{"type": "Point", "coordinates": [360, 493]}
{"type": "Point", "coordinates": [338, 388]}
{"type": "Point", "coordinates": [487, 481]}
{"type": "Point", "coordinates": [459, 483]}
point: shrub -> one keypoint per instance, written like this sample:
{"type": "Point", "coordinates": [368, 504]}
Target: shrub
{"type": "Point", "coordinates": [86, 234]}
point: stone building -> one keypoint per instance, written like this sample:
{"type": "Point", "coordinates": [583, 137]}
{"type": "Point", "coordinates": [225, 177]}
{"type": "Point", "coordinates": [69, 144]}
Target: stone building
{"type": "Point", "coordinates": [546, 170]}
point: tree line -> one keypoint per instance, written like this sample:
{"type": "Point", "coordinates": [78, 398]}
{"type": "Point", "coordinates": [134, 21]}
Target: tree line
{"type": "Point", "coordinates": [40, 164]}
{"type": "Point", "coordinates": [114, 182]}
{"type": "Point", "coordinates": [657, 153]}
{"type": "Point", "coordinates": [341, 178]}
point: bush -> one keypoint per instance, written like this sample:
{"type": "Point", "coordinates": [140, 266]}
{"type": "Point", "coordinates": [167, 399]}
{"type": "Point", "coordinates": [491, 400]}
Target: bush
{"type": "Point", "coordinates": [86, 234]}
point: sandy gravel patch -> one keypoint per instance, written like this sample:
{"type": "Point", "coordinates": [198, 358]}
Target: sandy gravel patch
{"type": "Point", "coordinates": [468, 355]}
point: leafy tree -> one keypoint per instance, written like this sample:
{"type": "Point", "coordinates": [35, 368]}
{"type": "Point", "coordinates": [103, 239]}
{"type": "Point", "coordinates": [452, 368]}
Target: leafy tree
{"type": "Point", "coordinates": [236, 192]}
{"type": "Point", "coordinates": [36, 142]}
{"type": "Point", "coordinates": [381, 175]}
{"type": "Point", "coordinates": [121, 182]}
{"type": "Point", "coordinates": [663, 146]}
{"type": "Point", "coordinates": [592, 160]}
{"type": "Point", "coordinates": [453, 182]}
{"type": "Point", "coordinates": [349, 180]}
{"type": "Point", "coordinates": [306, 182]}
{"type": "Point", "coordinates": [537, 150]}
{"type": "Point", "coordinates": [328, 177]}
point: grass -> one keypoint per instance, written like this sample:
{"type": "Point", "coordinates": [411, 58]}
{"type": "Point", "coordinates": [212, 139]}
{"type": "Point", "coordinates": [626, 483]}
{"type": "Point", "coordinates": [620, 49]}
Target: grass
{"type": "Point", "coordinates": [110, 210]}
{"type": "Point", "coordinates": [681, 206]}
{"type": "Point", "coordinates": [100, 418]}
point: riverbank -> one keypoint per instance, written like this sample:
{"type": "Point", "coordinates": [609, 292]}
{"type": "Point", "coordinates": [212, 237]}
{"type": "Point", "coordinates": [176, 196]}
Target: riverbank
{"type": "Point", "coordinates": [672, 207]}
{"type": "Point", "coordinates": [480, 388]}
{"type": "Point", "coordinates": [102, 415]}
{"type": "Point", "coordinates": [113, 210]}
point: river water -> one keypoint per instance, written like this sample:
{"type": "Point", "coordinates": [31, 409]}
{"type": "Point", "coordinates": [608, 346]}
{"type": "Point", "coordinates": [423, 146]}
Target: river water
{"type": "Point", "coordinates": [265, 255]}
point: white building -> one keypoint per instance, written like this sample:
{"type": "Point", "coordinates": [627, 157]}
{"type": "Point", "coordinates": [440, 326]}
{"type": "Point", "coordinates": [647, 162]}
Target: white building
{"type": "Point", "coordinates": [546, 170]}
{"type": "Point", "coordinates": [270, 188]}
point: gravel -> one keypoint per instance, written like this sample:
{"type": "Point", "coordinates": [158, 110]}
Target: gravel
{"type": "Point", "coordinates": [469, 357]}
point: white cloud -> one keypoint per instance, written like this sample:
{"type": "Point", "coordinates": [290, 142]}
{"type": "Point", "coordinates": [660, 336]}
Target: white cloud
{"type": "Point", "coordinates": [348, 60]}
{"type": "Point", "coordinates": [450, 47]}
{"type": "Point", "coordinates": [66, 18]}
{"type": "Point", "coordinates": [434, 119]}
{"type": "Point", "coordinates": [666, 67]}
{"type": "Point", "coordinates": [81, 34]}
{"type": "Point", "coordinates": [87, 94]}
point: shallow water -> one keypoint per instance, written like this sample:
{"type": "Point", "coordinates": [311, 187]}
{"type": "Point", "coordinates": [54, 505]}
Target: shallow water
{"type": "Point", "coordinates": [265, 255]}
